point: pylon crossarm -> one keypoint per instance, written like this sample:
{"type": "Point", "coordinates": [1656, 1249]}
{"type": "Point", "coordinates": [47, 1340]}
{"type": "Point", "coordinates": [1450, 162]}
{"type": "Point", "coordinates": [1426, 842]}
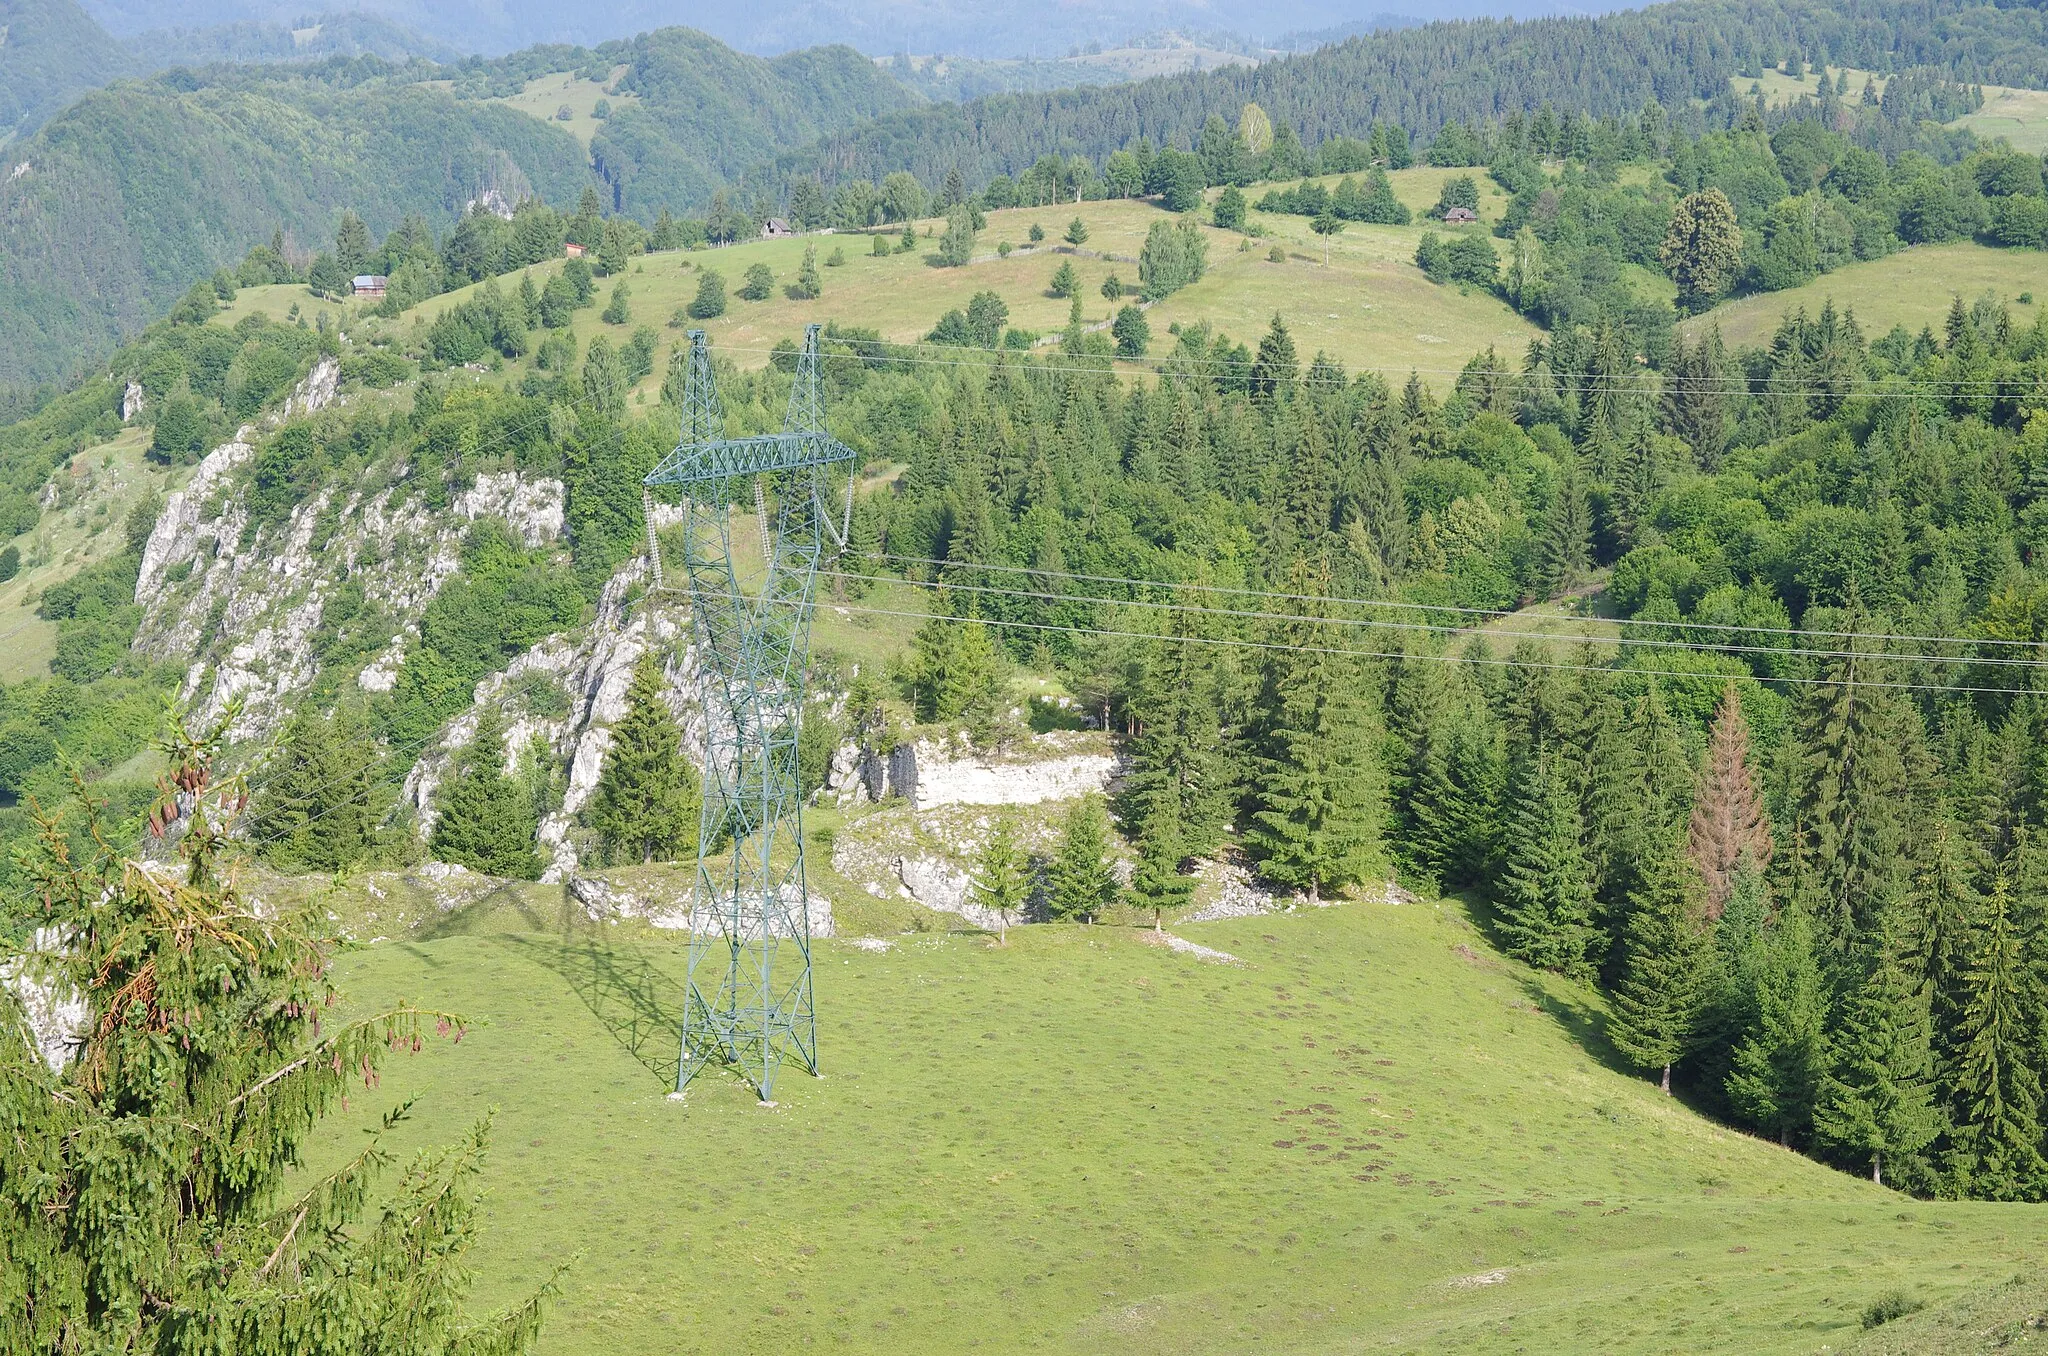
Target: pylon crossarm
{"type": "Point", "coordinates": [763, 454]}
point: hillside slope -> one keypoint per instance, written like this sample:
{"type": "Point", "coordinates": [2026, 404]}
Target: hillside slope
{"type": "Point", "coordinates": [1371, 1132]}
{"type": "Point", "coordinates": [1425, 77]}
{"type": "Point", "coordinates": [50, 50]}
{"type": "Point", "coordinates": [114, 208]}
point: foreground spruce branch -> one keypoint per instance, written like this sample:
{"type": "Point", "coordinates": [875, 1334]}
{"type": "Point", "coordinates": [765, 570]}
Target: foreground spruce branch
{"type": "Point", "coordinates": [145, 1150]}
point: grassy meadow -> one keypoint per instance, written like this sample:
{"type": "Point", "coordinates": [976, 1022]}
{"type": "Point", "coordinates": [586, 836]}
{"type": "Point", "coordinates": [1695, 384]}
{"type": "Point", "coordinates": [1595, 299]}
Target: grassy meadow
{"type": "Point", "coordinates": [1371, 308]}
{"type": "Point", "coordinates": [1912, 288]}
{"type": "Point", "coordinates": [1371, 1134]}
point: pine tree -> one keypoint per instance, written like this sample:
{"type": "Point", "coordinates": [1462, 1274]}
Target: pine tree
{"type": "Point", "coordinates": [1544, 892]}
{"type": "Point", "coordinates": [1275, 369]}
{"type": "Point", "coordinates": [1656, 1008]}
{"type": "Point", "coordinates": [1455, 787]}
{"type": "Point", "coordinates": [1565, 555]}
{"type": "Point", "coordinates": [1176, 797]}
{"type": "Point", "coordinates": [155, 1196]}
{"type": "Point", "coordinates": [1857, 796]}
{"type": "Point", "coordinates": [322, 801]}
{"type": "Point", "coordinates": [1998, 1087]}
{"type": "Point", "coordinates": [1320, 790]}
{"type": "Point", "coordinates": [1877, 1102]}
{"type": "Point", "coordinates": [1783, 1058]}
{"type": "Point", "coordinates": [1728, 825]}
{"type": "Point", "coordinates": [485, 823]}
{"type": "Point", "coordinates": [1002, 878]}
{"type": "Point", "coordinates": [1079, 883]}
{"type": "Point", "coordinates": [646, 804]}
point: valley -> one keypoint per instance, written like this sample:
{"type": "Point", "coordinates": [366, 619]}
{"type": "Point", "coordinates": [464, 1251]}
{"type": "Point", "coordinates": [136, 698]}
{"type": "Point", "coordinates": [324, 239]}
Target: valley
{"type": "Point", "coordinates": [1415, 727]}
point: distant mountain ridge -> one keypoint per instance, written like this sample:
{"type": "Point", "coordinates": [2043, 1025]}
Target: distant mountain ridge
{"type": "Point", "coordinates": [49, 51]}
{"type": "Point", "coordinates": [123, 200]}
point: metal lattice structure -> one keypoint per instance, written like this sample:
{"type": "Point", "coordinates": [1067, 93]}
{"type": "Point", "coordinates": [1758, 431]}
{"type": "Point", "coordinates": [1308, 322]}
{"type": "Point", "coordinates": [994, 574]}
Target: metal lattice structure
{"type": "Point", "coordinates": [749, 1006]}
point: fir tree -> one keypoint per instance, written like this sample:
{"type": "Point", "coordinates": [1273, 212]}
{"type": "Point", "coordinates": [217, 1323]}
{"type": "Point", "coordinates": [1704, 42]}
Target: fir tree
{"type": "Point", "coordinates": [1176, 797]}
{"type": "Point", "coordinates": [155, 1196]}
{"type": "Point", "coordinates": [646, 804]}
{"type": "Point", "coordinates": [1565, 555]}
{"type": "Point", "coordinates": [1002, 878]}
{"type": "Point", "coordinates": [1728, 824]}
{"type": "Point", "coordinates": [321, 803]}
{"type": "Point", "coordinates": [1080, 883]}
{"type": "Point", "coordinates": [1544, 894]}
{"type": "Point", "coordinates": [1877, 1102]}
{"type": "Point", "coordinates": [484, 822]}
{"type": "Point", "coordinates": [1275, 369]}
{"type": "Point", "coordinates": [1320, 790]}
{"type": "Point", "coordinates": [1656, 1011]}
{"type": "Point", "coordinates": [1781, 1061]}
{"type": "Point", "coordinates": [1998, 1088]}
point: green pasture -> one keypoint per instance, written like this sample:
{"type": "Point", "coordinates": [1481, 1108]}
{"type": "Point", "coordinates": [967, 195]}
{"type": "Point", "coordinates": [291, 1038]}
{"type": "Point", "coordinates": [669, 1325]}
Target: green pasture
{"type": "Point", "coordinates": [1372, 1133]}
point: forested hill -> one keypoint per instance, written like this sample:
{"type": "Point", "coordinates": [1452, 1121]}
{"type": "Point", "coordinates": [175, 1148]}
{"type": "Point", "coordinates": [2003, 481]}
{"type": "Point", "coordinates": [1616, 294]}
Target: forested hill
{"type": "Point", "coordinates": [1422, 78]}
{"type": "Point", "coordinates": [50, 50]}
{"type": "Point", "coordinates": [114, 207]}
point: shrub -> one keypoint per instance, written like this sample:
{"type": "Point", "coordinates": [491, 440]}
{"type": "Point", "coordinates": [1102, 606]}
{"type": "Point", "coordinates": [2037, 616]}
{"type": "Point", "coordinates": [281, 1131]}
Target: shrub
{"type": "Point", "coordinates": [1890, 1305]}
{"type": "Point", "coordinates": [760, 284]}
{"type": "Point", "coordinates": [710, 299]}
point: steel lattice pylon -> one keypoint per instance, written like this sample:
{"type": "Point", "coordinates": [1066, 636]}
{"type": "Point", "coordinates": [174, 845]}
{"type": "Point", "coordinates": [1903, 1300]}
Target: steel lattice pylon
{"type": "Point", "coordinates": [749, 1004]}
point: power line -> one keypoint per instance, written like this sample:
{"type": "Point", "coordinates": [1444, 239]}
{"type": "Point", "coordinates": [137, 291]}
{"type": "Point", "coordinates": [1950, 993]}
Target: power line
{"type": "Point", "coordinates": [1435, 628]}
{"type": "Point", "coordinates": [1583, 383]}
{"type": "Point", "coordinates": [1454, 610]}
{"type": "Point", "coordinates": [1404, 654]}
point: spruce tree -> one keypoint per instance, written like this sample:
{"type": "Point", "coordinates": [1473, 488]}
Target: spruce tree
{"type": "Point", "coordinates": [1002, 878]}
{"type": "Point", "coordinates": [1565, 553]}
{"type": "Point", "coordinates": [155, 1196]}
{"type": "Point", "coordinates": [1080, 883]}
{"type": "Point", "coordinates": [1176, 797]}
{"type": "Point", "coordinates": [1877, 1102]}
{"type": "Point", "coordinates": [1998, 1084]}
{"type": "Point", "coordinates": [485, 820]}
{"type": "Point", "coordinates": [321, 803]}
{"type": "Point", "coordinates": [1320, 792]}
{"type": "Point", "coordinates": [1544, 895]}
{"type": "Point", "coordinates": [646, 804]}
{"type": "Point", "coordinates": [1728, 824]}
{"type": "Point", "coordinates": [1656, 1004]}
{"type": "Point", "coordinates": [1781, 1061]}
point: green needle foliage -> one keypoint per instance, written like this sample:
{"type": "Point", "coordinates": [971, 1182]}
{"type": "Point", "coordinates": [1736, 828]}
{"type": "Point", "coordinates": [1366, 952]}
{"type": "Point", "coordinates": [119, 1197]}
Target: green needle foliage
{"type": "Point", "coordinates": [1878, 1101]}
{"type": "Point", "coordinates": [1080, 884]}
{"type": "Point", "coordinates": [486, 819]}
{"type": "Point", "coordinates": [144, 1206]}
{"type": "Point", "coordinates": [1998, 1089]}
{"type": "Point", "coordinates": [1002, 880]}
{"type": "Point", "coordinates": [1656, 1004]}
{"type": "Point", "coordinates": [647, 799]}
{"type": "Point", "coordinates": [1545, 889]}
{"type": "Point", "coordinates": [1782, 1061]}
{"type": "Point", "coordinates": [323, 800]}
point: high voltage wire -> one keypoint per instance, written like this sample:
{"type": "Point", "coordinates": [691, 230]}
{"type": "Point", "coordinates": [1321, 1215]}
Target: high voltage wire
{"type": "Point", "coordinates": [1406, 654]}
{"type": "Point", "coordinates": [1860, 387]}
{"type": "Point", "coordinates": [1459, 611]}
{"type": "Point", "coordinates": [1436, 628]}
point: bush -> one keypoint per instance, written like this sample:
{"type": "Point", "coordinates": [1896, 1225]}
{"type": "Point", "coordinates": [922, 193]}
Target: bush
{"type": "Point", "coordinates": [10, 563]}
{"type": "Point", "coordinates": [710, 299]}
{"type": "Point", "coordinates": [760, 283]}
{"type": "Point", "coordinates": [1890, 1305]}
{"type": "Point", "coordinates": [620, 310]}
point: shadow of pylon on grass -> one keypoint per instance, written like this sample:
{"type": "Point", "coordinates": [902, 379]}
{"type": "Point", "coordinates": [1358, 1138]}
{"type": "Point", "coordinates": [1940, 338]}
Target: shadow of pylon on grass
{"type": "Point", "coordinates": [641, 1006]}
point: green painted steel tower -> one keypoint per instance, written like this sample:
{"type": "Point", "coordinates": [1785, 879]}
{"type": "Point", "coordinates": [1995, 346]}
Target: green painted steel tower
{"type": "Point", "coordinates": [749, 1006]}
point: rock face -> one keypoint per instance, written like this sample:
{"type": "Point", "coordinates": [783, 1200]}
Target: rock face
{"type": "Point", "coordinates": [242, 608]}
{"type": "Point", "coordinates": [1047, 767]}
{"type": "Point", "coordinates": [57, 1018]}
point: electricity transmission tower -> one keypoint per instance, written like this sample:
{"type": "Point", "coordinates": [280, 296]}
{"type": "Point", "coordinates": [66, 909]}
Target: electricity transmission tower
{"type": "Point", "coordinates": [749, 1002]}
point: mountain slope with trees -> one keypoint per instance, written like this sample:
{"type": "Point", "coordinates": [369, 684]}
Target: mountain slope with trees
{"type": "Point", "coordinates": [51, 50]}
